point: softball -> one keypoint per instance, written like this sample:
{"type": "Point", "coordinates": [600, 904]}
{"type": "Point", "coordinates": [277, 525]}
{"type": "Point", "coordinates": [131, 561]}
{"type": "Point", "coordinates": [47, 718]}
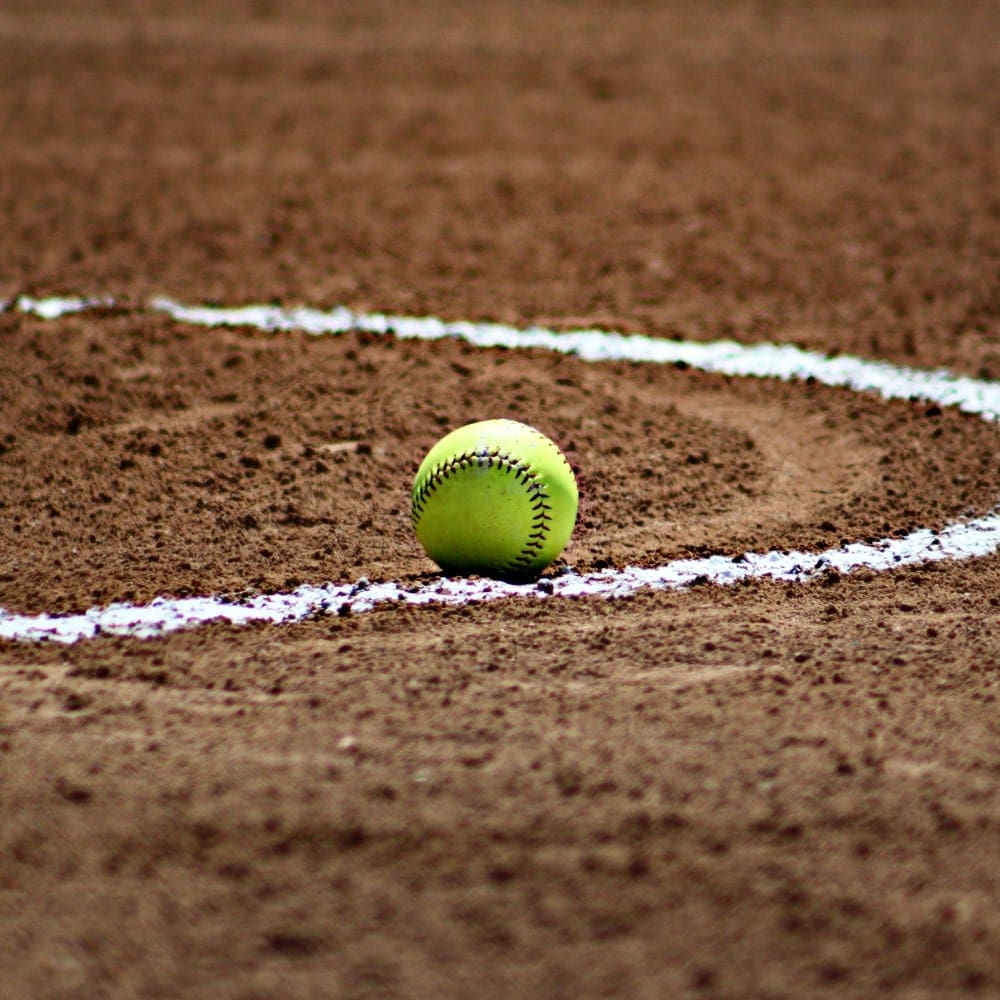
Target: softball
{"type": "Point", "coordinates": [497, 498]}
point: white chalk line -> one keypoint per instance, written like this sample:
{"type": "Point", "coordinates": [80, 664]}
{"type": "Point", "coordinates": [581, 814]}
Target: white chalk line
{"type": "Point", "coordinates": [959, 540]}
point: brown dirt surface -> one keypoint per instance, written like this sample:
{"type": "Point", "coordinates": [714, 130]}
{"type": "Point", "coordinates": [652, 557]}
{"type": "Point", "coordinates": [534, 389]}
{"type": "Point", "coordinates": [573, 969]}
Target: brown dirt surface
{"type": "Point", "coordinates": [765, 790]}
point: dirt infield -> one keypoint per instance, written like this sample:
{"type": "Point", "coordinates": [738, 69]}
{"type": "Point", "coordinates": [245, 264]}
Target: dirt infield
{"type": "Point", "coordinates": [765, 790]}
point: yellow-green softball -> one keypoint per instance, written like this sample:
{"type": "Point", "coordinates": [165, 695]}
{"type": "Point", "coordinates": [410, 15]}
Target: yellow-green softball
{"type": "Point", "coordinates": [497, 498]}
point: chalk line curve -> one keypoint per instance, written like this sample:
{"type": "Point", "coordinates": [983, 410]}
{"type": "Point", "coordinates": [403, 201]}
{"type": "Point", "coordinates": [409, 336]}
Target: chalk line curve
{"type": "Point", "coordinates": [958, 540]}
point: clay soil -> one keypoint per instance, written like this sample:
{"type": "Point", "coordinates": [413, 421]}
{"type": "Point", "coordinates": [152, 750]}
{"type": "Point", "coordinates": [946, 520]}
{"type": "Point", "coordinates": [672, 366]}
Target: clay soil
{"type": "Point", "coordinates": [767, 790]}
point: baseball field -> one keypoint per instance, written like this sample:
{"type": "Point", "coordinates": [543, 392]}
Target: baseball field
{"type": "Point", "coordinates": [739, 259]}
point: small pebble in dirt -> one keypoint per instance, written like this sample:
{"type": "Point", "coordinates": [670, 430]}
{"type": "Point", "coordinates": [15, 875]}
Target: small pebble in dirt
{"type": "Point", "coordinates": [74, 701]}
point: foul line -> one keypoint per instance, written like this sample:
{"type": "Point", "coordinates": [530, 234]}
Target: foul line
{"type": "Point", "coordinates": [959, 540]}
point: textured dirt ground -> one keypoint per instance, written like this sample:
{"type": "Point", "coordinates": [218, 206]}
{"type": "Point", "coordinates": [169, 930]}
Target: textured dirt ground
{"type": "Point", "coordinates": [767, 790]}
